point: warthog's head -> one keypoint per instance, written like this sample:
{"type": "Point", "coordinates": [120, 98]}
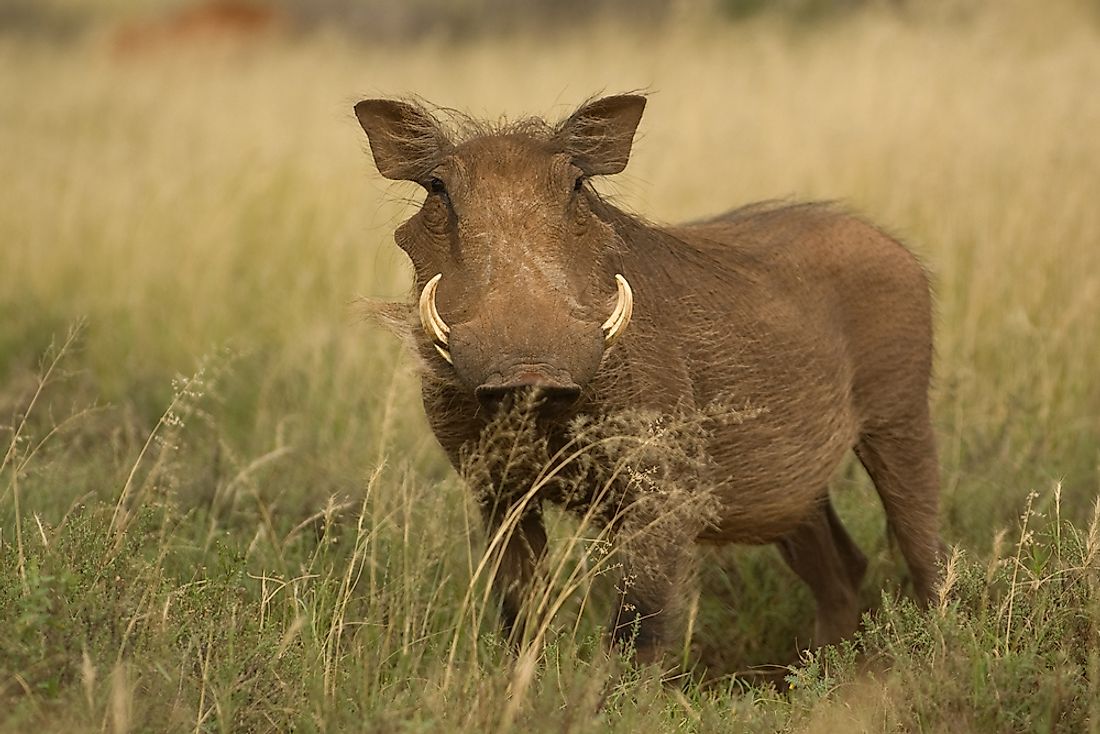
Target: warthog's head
{"type": "Point", "coordinates": [520, 280]}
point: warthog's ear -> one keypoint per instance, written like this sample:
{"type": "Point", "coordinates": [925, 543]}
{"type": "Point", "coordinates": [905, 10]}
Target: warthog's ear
{"type": "Point", "coordinates": [404, 140]}
{"type": "Point", "coordinates": [599, 135]}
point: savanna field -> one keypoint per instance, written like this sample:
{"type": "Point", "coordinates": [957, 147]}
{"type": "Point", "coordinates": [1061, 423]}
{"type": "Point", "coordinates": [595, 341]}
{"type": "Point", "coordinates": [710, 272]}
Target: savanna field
{"type": "Point", "coordinates": [221, 508]}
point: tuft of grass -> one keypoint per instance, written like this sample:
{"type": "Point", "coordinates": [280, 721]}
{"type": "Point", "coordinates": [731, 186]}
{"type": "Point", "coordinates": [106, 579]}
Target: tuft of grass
{"type": "Point", "coordinates": [221, 508]}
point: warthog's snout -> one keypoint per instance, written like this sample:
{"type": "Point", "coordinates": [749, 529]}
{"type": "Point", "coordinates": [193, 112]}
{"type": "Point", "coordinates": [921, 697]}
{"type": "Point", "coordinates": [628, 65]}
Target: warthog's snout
{"type": "Point", "coordinates": [549, 395]}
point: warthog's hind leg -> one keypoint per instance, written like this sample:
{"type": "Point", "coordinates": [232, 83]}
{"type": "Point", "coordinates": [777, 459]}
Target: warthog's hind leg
{"type": "Point", "coordinates": [901, 460]}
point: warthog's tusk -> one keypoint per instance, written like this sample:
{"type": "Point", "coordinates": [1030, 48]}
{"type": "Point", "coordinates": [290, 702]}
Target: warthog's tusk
{"type": "Point", "coordinates": [620, 317]}
{"type": "Point", "coordinates": [433, 323]}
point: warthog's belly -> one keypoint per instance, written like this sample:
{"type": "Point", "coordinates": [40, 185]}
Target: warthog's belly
{"type": "Point", "coordinates": [769, 476]}
{"type": "Point", "coordinates": [772, 464]}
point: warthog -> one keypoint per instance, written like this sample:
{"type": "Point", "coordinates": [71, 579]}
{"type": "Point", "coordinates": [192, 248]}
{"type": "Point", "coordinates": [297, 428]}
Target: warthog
{"type": "Point", "coordinates": [535, 289]}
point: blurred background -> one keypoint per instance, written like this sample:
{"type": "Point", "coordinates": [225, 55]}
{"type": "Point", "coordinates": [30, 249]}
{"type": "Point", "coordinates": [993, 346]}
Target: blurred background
{"type": "Point", "coordinates": [184, 183]}
{"type": "Point", "coordinates": [374, 20]}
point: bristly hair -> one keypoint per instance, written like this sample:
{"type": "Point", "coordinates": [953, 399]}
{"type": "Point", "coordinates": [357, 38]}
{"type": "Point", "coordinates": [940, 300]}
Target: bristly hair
{"type": "Point", "coordinates": [449, 128]}
{"type": "Point", "coordinates": [459, 127]}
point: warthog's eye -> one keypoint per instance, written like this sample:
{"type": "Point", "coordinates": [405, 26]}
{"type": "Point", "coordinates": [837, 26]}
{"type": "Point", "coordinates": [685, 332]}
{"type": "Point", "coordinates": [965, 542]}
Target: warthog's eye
{"type": "Point", "coordinates": [437, 187]}
{"type": "Point", "coordinates": [579, 183]}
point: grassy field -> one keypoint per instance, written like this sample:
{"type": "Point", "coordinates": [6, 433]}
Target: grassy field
{"type": "Point", "coordinates": [220, 505]}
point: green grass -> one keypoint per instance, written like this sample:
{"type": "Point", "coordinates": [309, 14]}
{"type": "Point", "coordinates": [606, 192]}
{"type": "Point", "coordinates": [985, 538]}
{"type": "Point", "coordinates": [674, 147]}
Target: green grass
{"type": "Point", "coordinates": [220, 505]}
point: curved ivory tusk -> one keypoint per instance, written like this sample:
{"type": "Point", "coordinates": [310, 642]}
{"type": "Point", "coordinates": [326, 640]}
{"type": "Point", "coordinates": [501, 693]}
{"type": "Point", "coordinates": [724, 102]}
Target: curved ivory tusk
{"type": "Point", "coordinates": [433, 323]}
{"type": "Point", "coordinates": [620, 317]}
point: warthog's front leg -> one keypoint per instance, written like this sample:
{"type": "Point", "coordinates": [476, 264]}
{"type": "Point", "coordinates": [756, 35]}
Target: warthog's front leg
{"type": "Point", "coordinates": [520, 542]}
{"type": "Point", "coordinates": [659, 562]}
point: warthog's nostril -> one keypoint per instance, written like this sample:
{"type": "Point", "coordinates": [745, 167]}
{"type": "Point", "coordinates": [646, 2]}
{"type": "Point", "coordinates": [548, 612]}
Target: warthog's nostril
{"type": "Point", "coordinates": [548, 396]}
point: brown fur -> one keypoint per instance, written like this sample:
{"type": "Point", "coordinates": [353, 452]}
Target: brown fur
{"type": "Point", "coordinates": [809, 329]}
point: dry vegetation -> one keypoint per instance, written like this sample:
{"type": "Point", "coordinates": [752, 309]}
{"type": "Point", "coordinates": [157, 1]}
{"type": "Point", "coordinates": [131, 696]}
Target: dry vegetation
{"type": "Point", "coordinates": [220, 508]}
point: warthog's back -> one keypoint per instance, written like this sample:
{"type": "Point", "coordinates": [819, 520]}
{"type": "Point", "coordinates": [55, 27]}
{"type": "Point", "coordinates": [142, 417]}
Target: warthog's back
{"type": "Point", "coordinates": [812, 324]}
